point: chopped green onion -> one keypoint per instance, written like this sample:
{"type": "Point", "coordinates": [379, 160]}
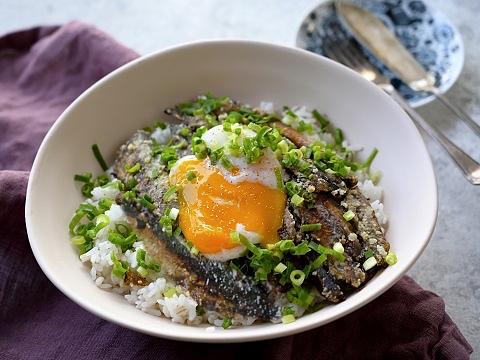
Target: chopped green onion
{"type": "Point", "coordinates": [300, 296]}
{"type": "Point", "coordinates": [278, 175]}
{"type": "Point", "coordinates": [368, 254]}
{"type": "Point", "coordinates": [301, 249]}
{"type": "Point", "coordinates": [297, 200]}
{"type": "Point", "coordinates": [177, 232]}
{"type": "Point", "coordinates": [371, 157]}
{"type": "Point", "coordinates": [119, 269]}
{"type": "Point", "coordinates": [160, 125]}
{"type": "Point", "coordinates": [226, 163]}
{"type": "Point", "coordinates": [194, 250]}
{"type": "Point", "coordinates": [310, 227]}
{"type": "Point", "coordinates": [191, 175]}
{"type": "Point", "coordinates": [326, 251]}
{"type": "Point", "coordinates": [283, 146]}
{"type": "Point", "coordinates": [391, 258]}
{"type": "Point", "coordinates": [349, 215]}
{"type": "Point", "coordinates": [369, 263]}
{"type": "Point", "coordinates": [338, 136]}
{"type": "Point", "coordinates": [170, 193]}
{"type": "Point", "coordinates": [169, 156]}
{"type": "Point", "coordinates": [170, 292]}
{"type": "Point", "coordinates": [102, 219]}
{"type": "Point", "coordinates": [124, 242]}
{"type": "Point", "coordinates": [280, 268]}
{"type": "Point", "coordinates": [285, 245]}
{"type": "Point", "coordinates": [288, 310]}
{"type": "Point", "coordinates": [146, 201]}
{"type": "Point", "coordinates": [142, 271]}
{"type": "Point", "coordinates": [133, 169]}
{"type": "Point", "coordinates": [99, 157]}
{"type": "Point", "coordinates": [287, 319]}
{"type": "Point", "coordinates": [85, 177]}
{"type": "Point", "coordinates": [78, 240]}
{"type": "Point", "coordinates": [338, 247]}
{"type": "Point", "coordinates": [227, 322]}
{"type": "Point", "coordinates": [184, 132]}
{"type": "Point", "coordinates": [140, 257]}
{"type": "Point", "coordinates": [235, 236]}
{"type": "Point", "coordinates": [122, 229]}
{"type": "Point", "coordinates": [322, 120]}
{"type": "Point", "coordinates": [297, 277]}
{"type": "Point", "coordinates": [167, 223]}
{"type": "Point", "coordinates": [319, 261]}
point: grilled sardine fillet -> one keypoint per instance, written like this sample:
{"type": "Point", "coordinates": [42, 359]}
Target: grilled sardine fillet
{"type": "Point", "coordinates": [212, 284]}
{"type": "Point", "coordinates": [329, 214]}
{"type": "Point", "coordinates": [367, 224]}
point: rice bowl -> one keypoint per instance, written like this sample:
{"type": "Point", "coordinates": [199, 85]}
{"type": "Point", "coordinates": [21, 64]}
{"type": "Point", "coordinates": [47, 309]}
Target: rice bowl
{"type": "Point", "coordinates": [311, 80]}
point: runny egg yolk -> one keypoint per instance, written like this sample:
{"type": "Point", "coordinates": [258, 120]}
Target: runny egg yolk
{"type": "Point", "coordinates": [211, 207]}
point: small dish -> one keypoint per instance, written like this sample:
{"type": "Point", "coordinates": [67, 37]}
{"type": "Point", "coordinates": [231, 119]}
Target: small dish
{"type": "Point", "coordinates": [427, 33]}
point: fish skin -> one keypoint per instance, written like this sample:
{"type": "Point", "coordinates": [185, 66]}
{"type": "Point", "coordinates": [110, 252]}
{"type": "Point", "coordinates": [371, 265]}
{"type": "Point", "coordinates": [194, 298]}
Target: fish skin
{"type": "Point", "coordinates": [367, 224]}
{"type": "Point", "coordinates": [212, 284]}
{"type": "Point", "coordinates": [327, 285]}
{"type": "Point", "coordinates": [334, 229]}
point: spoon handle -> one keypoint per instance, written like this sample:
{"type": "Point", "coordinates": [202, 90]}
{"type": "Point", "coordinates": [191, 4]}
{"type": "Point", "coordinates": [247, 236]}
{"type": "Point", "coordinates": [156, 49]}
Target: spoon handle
{"type": "Point", "coordinates": [469, 166]}
{"type": "Point", "coordinates": [457, 111]}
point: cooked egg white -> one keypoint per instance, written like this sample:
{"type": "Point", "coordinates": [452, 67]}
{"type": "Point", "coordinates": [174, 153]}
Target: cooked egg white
{"type": "Point", "coordinates": [218, 201]}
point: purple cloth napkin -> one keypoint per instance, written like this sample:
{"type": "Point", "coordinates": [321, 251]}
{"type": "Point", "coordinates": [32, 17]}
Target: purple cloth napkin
{"type": "Point", "coordinates": [41, 71]}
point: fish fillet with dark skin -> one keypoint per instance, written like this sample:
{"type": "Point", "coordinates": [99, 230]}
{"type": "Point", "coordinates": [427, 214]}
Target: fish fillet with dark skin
{"type": "Point", "coordinates": [212, 284]}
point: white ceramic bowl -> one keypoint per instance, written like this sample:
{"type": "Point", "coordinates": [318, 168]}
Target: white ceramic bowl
{"type": "Point", "coordinates": [136, 95]}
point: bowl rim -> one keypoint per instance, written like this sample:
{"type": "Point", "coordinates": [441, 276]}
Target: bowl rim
{"type": "Point", "coordinates": [265, 332]}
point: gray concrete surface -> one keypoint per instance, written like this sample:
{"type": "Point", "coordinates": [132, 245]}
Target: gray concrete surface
{"type": "Point", "coordinates": [450, 265]}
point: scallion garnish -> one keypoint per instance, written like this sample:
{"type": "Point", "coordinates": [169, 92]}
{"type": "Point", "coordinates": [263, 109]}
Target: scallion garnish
{"type": "Point", "coordinates": [369, 263]}
{"type": "Point", "coordinates": [301, 249]}
{"type": "Point", "coordinates": [133, 169]}
{"type": "Point", "coordinates": [99, 157]}
{"type": "Point", "coordinates": [191, 175]}
{"type": "Point", "coordinates": [170, 193]}
{"type": "Point", "coordinates": [391, 258]}
{"type": "Point", "coordinates": [319, 261]}
{"type": "Point", "coordinates": [119, 268]}
{"type": "Point", "coordinates": [338, 136]}
{"type": "Point", "coordinates": [297, 277]}
{"type": "Point", "coordinates": [227, 322]}
{"type": "Point", "coordinates": [338, 247]}
{"type": "Point", "coordinates": [322, 120]}
{"type": "Point", "coordinates": [147, 202]}
{"type": "Point", "coordinates": [368, 253]}
{"type": "Point", "coordinates": [85, 177]}
{"type": "Point", "coordinates": [140, 257]}
{"type": "Point", "coordinates": [122, 229]}
{"type": "Point", "coordinates": [78, 240]}
{"type": "Point", "coordinates": [310, 227]}
{"type": "Point", "coordinates": [185, 132]}
{"type": "Point", "coordinates": [367, 163]}
{"type": "Point", "coordinates": [280, 268]}
{"type": "Point", "coordinates": [287, 319]}
{"type": "Point", "coordinates": [226, 163]}
{"type": "Point", "coordinates": [297, 200]}
{"type": "Point", "coordinates": [349, 215]}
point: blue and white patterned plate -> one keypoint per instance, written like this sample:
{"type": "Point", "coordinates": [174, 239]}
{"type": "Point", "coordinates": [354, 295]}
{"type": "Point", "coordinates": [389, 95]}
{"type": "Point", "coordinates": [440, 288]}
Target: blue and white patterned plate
{"type": "Point", "coordinates": [426, 32]}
